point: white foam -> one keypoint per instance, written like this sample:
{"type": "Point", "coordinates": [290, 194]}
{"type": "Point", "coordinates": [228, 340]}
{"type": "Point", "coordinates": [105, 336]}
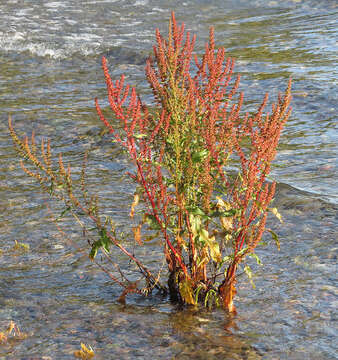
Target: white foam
{"type": "Point", "coordinates": [85, 44]}
{"type": "Point", "coordinates": [158, 9]}
{"type": "Point", "coordinates": [17, 43]}
{"type": "Point", "coordinates": [70, 21]}
{"type": "Point", "coordinates": [55, 4]}
{"type": "Point", "coordinates": [129, 23]}
{"type": "Point", "coordinates": [82, 37]}
{"type": "Point", "coordinates": [44, 51]}
{"type": "Point", "coordinates": [22, 12]}
{"type": "Point", "coordinates": [141, 2]}
{"type": "Point", "coordinates": [11, 37]}
{"type": "Point", "coordinates": [95, 2]}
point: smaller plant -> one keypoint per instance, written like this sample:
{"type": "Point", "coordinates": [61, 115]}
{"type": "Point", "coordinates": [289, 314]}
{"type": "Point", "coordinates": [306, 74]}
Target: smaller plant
{"type": "Point", "coordinates": [12, 332]}
{"type": "Point", "coordinates": [20, 247]}
{"type": "Point", "coordinates": [85, 353]}
{"type": "Point", "coordinates": [208, 217]}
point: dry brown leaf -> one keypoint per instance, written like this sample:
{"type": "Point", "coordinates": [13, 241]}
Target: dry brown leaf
{"type": "Point", "coordinates": [134, 204]}
{"type": "Point", "coordinates": [137, 234]}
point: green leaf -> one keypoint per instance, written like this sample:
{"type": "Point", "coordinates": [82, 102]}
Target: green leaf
{"type": "Point", "coordinates": [195, 210]}
{"type": "Point", "coordinates": [242, 251]}
{"type": "Point", "coordinates": [104, 239]}
{"type": "Point", "coordinates": [20, 246]}
{"type": "Point", "coordinates": [197, 292]}
{"type": "Point", "coordinates": [93, 251]}
{"type": "Point", "coordinates": [227, 213]}
{"type": "Point", "coordinates": [227, 259]}
{"type": "Point", "coordinates": [248, 272]}
{"type": "Point", "coordinates": [275, 237]}
{"type": "Point", "coordinates": [63, 213]}
{"type": "Point", "coordinates": [199, 156]}
{"type": "Point", "coordinates": [92, 229]}
{"type": "Point", "coordinates": [152, 222]}
{"type": "Point", "coordinates": [210, 298]}
{"type": "Point", "coordinates": [206, 298]}
{"type": "Point", "coordinates": [139, 136]}
{"type": "Point", "coordinates": [151, 237]}
{"type": "Point", "coordinates": [258, 260]}
{"type": "Point", "coordinates": [103, 242]}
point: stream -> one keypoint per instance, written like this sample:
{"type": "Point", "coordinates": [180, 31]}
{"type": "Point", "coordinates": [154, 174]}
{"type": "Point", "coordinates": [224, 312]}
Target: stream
{"type": "Point", "coordinates": [50, 73]}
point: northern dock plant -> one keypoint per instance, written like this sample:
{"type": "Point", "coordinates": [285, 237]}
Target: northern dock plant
{"type": "Point", "coordinates": [209, 219]}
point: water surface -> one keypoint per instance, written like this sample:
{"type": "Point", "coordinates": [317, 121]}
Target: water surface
{"type": "Point", "coordinates": [49, 75]}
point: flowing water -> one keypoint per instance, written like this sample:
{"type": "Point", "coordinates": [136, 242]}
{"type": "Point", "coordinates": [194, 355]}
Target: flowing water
{"type": "Point", "coordinates": [50, 53]}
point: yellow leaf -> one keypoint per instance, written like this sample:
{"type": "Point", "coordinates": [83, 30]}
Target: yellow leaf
{"type": "Point", "coordinates": [187, 292]}
{"type": "Point", "coordinates": [195, 223]}
{"type": "Point", "coordinates": [11, 326]}
{"type": "Point", "coordinates": [78, 354]}
{"type": "Point", "coordinates": [86, 350]}
{"type": "Point", "coordinates": [276, 213]}
{"type": "Point", "coordinates": [227, 238]}
{"type": "Point", "coordinates": [13, 329]}
{"type": "Point", "coordinates": [225, 221]}
{"type": "Point", "coordinates": [214, 251]}
{"type": "Point", "coordinates": [85, 353]}
{"type": "Point", "coordinates": [215, 254]}
{"type": "Point", "coordinates": [204, 235]}
{"type": "Point", "coordinates": [3, 337]}
{"type": "Point", "coordinates": [134, 204]}
{"type": "Point", "coordinates": [221, 204]}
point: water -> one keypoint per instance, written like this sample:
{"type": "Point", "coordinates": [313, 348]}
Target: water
{"type": "Point", "coordinates": [49, 75]}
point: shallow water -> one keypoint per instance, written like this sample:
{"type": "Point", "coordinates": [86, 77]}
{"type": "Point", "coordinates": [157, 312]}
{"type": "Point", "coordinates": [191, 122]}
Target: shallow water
{"type": "Point", "coordinates": [49, 75]}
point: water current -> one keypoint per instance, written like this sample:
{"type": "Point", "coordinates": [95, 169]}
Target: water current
{"type": "Point", "coordinates": [50, 53]}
